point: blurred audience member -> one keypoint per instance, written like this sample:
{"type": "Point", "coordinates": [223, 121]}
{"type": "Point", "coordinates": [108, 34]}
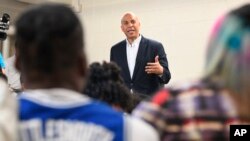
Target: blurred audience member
{"type": "Point", "coordinates": [105, 83]}
{"type": "Point", "coordinates": [8, 110]}
{"type": "Point", "coordinates": [50, 55]}
{"type": "Point", "coordinates": [203, 110]}
{"type": "Point", "coordinates": [12, 74]}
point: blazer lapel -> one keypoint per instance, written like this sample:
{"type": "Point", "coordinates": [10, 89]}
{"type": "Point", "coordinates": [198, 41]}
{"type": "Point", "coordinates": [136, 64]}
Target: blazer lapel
{"type": "Point", "coordinates": [140, 56]}
{"type": "Point", "coordinates": [123, 56]}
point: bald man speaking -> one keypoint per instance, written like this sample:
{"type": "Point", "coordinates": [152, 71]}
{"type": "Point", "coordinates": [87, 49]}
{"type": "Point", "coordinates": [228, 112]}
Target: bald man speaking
{"type": "Point", "coordinates": [143, 62]}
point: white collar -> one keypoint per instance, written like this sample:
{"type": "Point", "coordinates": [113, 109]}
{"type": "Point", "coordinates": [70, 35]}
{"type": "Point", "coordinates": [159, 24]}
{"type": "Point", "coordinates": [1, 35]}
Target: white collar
{"type": "Point", "coordinates": [56, 97]}
{"type": "Point", "coordinates": [135, 42]}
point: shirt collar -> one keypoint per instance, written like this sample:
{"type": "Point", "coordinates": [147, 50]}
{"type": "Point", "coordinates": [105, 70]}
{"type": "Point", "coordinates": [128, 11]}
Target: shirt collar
{"type": "Point", "coordinates": [55, 97]}
{"type": "Point", "coordinates": [135, 42]}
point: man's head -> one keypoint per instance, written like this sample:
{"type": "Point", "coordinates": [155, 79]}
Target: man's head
{"type": "Point", "coordinates": [130, 25]}
{"type": "Point", "coordinates": [49, 51]}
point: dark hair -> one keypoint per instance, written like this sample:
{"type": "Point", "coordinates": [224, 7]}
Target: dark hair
{"type": "Point", "coordinates": [115, 93]}
{"type": "Point", "coordinates": [105, 71]}
{"type": "Point", "coordinates": [113, 71]}
{"type": "Point", "coordinates": [243, 13]}
{"type": "Point", "coordinates": [106, 84]}
{"type": "Point", "coordinates": [49, 37]}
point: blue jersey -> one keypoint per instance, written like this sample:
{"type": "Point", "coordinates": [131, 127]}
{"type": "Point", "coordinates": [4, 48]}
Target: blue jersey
{"type": "Point", "coordinates": [59, 116]}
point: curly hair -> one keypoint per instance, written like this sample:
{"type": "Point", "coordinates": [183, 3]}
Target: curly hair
{"type": "Point", "coordinates": [106, 84]}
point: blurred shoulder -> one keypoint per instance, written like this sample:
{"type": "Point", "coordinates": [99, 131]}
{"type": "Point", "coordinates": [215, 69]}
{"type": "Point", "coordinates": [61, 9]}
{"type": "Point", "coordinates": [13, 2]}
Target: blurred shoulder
{"type": "Point", "coordinates": [151, 41]}
{"type": "Point", "coordinates": [10, 60]}
{"type": "Point", "coordinates": [119, 44]}
{"type": "Point", "coordinates": [138, 129]}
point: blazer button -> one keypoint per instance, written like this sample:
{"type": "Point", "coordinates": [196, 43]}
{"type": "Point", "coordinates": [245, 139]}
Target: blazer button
{"type": "Point", "coordinates": [131, 85]}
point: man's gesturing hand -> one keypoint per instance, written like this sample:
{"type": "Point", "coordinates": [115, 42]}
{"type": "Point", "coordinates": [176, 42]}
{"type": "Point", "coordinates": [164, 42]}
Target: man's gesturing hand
{"type": "Point", "coordinates": [155, 67]}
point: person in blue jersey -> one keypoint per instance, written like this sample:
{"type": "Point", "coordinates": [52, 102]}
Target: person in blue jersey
{"type": "Point", "coordinates": [50, 55]}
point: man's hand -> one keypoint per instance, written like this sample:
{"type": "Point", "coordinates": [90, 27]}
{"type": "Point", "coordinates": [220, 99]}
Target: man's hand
{"type": "Point", "coordinates": [154, 68]}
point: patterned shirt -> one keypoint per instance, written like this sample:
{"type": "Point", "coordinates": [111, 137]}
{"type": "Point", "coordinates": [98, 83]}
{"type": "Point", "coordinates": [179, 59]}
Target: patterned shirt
{"type": "Point", "coordinates": [190, 113]}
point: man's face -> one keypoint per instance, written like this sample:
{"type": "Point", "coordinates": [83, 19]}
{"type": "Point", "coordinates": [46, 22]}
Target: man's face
{"type": "Point", "coordinates": [130, 25]}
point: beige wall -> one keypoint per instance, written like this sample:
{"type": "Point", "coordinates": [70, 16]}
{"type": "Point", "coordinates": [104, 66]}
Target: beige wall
{"type": "Point", "coordinates": [181, 25]}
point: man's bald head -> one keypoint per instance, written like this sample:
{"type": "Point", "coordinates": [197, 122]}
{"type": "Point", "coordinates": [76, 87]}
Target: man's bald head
{"type": "Point", "coordinates": [129, 14]}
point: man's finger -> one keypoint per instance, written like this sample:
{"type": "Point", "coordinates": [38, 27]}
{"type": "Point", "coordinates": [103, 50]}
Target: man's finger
{"type": "Point", "coordinates": [151, 67]}
{"type": "Point", "coordinates": [157, 58]}
{"type": "Point", "coordinates": [149, 70]}
{"type": "Point", "coordinates": [151, 64]}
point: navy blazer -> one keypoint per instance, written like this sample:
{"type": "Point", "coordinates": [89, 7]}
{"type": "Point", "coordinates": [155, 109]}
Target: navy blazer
{"type": "Point", "coordinates": [142, 82]}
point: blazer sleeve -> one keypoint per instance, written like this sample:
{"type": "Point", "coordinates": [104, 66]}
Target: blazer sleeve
{"type": "Point", "coordinates": [166, 76]}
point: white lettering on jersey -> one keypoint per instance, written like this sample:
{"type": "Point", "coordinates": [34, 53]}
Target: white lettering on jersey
{"type": "Point", "coordinates": [63, 130]}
